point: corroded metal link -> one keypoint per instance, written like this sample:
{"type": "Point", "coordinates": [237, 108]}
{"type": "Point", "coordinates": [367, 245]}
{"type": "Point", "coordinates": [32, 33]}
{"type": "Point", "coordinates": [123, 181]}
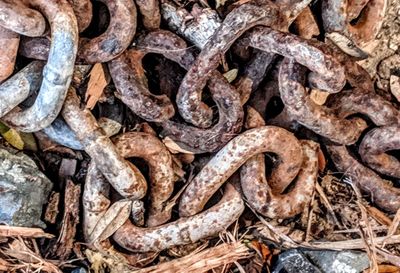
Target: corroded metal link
{"type": "Point", "coordinates": [150, 12]}
{"type": "Point", "coordinates": [9, 42]}
{"type": "Point", "coordinates": [188, 137]}
{"type": "Point", "coordinates": [381, 191]}
{"type": "Point", "coordinates": [327, 71]}
{"type": "Point", "coordinates": [317, 118]}
{"type": "Point", "coordinates": [124, 177]}
{"type": "Point", "coordinates": [17, 17]}
{"type": "Point", "coordinates": [83, 10]}
{"type": "Point", "coordinates": [185, 230]}
{"type": "Point", "coordinates": [161, 173]}
{"type": "Point", "coordinates": [95, 205]}
{"type": "Point", "coordinates": [57, 73]}
{"type": "Point", "coordinates": [18, 87]}
{"type": "Point", "coordinates": [374, 146]}
{"type": "Point", "coordinates": [235, 154]}
{"type": "Point", "coordinates": [118, 36]}
{"type": "Point", "coordinates": [270, 201]}
{"type": "Point", "coordinates": [337, 17]}
{"type": "Point", "coordinates": [235, 24]}
{"type": "Point", "coordinates": [259, 194]}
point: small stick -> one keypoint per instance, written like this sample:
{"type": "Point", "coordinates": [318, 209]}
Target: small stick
{"type": "Point", "coordinates": [11, 231]}
{"type": "Point", "coordinates": [202, 261]}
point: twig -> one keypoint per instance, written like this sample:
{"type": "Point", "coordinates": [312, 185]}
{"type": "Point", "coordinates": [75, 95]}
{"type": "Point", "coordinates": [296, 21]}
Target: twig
{"type": "Point", "coordinates": [395, 224]}
{"type": "Point", "coordinates": [352, 244]}
{"type": "Point", "coordinates": [11, 231]}
{"type": "Point", "coordinates": [202, 261]}
{"type": "Point", "coordinates": [379, 216]}
{"type": "Point", "coordinates": [326, 203]}
{"type": "Point", "coordinates": [309, 220]}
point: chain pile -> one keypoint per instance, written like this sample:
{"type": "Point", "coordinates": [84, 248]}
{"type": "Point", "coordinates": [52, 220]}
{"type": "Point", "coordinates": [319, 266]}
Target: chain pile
{"type": "Point", "coordinates": [282, 60]}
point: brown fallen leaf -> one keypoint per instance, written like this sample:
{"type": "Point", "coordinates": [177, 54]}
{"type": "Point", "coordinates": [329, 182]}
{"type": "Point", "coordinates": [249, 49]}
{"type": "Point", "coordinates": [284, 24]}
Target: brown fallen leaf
{"type": "Point", "coordinates": [321, 161]}
{"type": "Point", "coordinates": [113, 219]}
{"type": "Point", "coordinates": [97, 82]}
{"type": "Point", "coordinates": [173, 147]}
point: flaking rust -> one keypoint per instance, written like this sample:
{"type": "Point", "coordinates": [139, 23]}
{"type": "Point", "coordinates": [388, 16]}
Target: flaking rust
{"type": "Point", "coordinates": [234, 154]}
{"type": "Point", "coordinates": [57, 73]}
{"type": "Point", "coordinates": [267, 198]}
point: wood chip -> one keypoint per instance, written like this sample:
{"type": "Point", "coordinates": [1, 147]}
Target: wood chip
{"type": "Point", "coordinates": [52, 211]}
{"type": "Point", "coordinates": [67, 168]}
{"type": "Point", "coordinates": [318, 96]}
{"type": "Point", "coordinates": [97, 82]}
{"type": "Point", "coordinates": [113, 219]}
{"type": "Point", "coordinates": [202, 261]}
{"type": "Point", "coordinates": [64, 245]}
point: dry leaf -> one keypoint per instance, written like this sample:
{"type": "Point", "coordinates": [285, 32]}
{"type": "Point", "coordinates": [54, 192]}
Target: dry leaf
{"type": "Point", "coordinates": [321, 161]}
{"type": "Point", "coordinates": [97, 82]}
{"type": "Point", "coordinates": [173, 147]}
{"type": "Point", "coordinates": [318, 96]}
{"type": "Point", "coordinates": [14, 138]}
{"type": "Point", "coordinates": [231, 75]}
{"type": "Point", "coordinates": [113, 219]}
{"type": "Point", "coordinates": [18, 140]}
{"type": "Point", "coordinates": [110, 126]}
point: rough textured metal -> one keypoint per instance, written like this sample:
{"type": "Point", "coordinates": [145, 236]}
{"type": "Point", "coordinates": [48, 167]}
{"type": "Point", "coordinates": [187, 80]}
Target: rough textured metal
{"type": "Point", "coordinates": [337, 16]}
{"type": "Point", "coordinates": [374, 146]}
{"type": "Point", "coordinates": [196, 140]}
{"type": "Point", "coordinates": [161, 171]}
{"type": "Point", "coordinates": [327, 72]}
{"type": "Point", "coordinates": [18, 87]}
{"type": "Point", "coordinates": [381, 191]}
{"type": "Point", "coordinates": [235, 154]}
{"type": "Point", "coordinates": [60, 133]}
{"type": "Point", "coordinates": [269, 201]}
{"type": "Point", "coordinates": [198, 30]}
{"type": "Point", "coordinates": [57, 73]}
{"type": "Point", "coordinates": [117, 37]}
{"type": "Point", "coordinates": [9, 42]}
{"type": "Point", "coordinates": [83, 10]}
{"type": "Point", "coordinates": [358, 100]}
{"type": "Point", "coordinates": [150, 12]}
{"type": "Point", "coordinates": [95, 204]}
{"type": "Point", "coordinates": [242, 18]}
{"type": "Point", "coordinates": [15, 16]}
{"type": "Point", "coordinates": [130, 80]}
{"type": "Point", "coordinates": [124, 177]}
{"type": "Point", "coordinates": [185, 230]}
{"type": "Point", "coordinates": [23, 190]}
{"type": "Point", "coordinates": [317, 118]}
{"type": "Point", "coordinates": [34, 48]}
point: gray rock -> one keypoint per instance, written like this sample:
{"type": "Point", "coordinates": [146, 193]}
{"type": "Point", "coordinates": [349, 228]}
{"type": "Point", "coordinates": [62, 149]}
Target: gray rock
{"type": "Point", "coordinates": [294, 261]}
{"type": "Point", "coordinates": [338, 261]}
{"type": "Point", "coordinates": [23, 190]}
